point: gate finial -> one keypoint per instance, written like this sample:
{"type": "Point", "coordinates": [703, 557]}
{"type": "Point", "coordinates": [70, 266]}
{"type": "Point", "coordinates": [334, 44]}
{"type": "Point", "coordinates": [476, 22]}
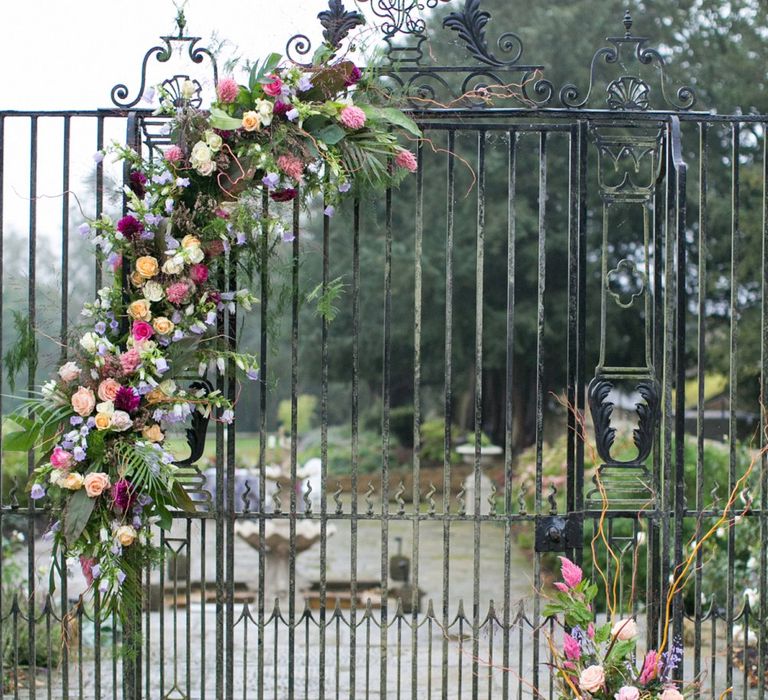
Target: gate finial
{"type": "Point", "coordinates": [627, 24]}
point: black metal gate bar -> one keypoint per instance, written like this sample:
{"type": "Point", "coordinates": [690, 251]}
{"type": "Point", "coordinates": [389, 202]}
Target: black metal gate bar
{"type": "Point", "coordinates": [763, 626]}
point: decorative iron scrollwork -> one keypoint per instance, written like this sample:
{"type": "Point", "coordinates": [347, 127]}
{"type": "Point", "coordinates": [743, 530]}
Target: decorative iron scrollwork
{"type": "Point", "coordinates": [162, 54]}
{"type": "Point", "coordinates": [602, 410]}
{"type": "Point", "coordinates": [470, 23]}
{"type": "Point", "coordinates": [628, 92]}
{"type": "Point", "coordinates": [337, 23]}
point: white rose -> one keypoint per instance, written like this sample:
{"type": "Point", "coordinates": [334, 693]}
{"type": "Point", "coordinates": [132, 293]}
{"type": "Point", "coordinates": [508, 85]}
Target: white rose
{"type": "Point", "coordinates": [168, 387]}
{"type": "Point", "coordinates": [48, 389]}
{"type": "Point", "coordinates": [89, 342]}
{"type": "Point", "coordinates": [206, 168]}
{"type": "Point", "coordinates": [264, 110]}
{"type": "Point", "coordinates": [107, 407]}
{"type": "Point", "coordinates": [201, 153]}
{"type": "Point", "coordinates": [120, 421]}
{"type": "Point", "coordinates": [213, 140]}
{"type": "Point", "coordinates": [188, 90]}
{"type": "Point", "coordinates": [195, 254]}
{"type": "Point", "coordinates": [174, 265]}
{"type": "Point", "coordinates": [69, 371]}
{"type": "Point", "coordinates": [153, 291]}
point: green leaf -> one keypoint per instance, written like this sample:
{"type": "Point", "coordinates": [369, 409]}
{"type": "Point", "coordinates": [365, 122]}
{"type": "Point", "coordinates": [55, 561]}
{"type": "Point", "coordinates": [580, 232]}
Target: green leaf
{"type": "Point", "coordinates": [330, 134]}
{"type": "Point", "coordinates": [20, 441]}
{"type": "Point", "coordinates": [392, 116]}
{"type": "Point", "coordinates": [77, 512]}
{"type": "Point", "coordinates": [221, 120]}
{"type": "Point", "coordinates": [182, 498]}
{"type": "Point", "coordinates": [165, 519]}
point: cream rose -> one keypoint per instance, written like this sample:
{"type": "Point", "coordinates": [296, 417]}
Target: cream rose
{"type": "Point", "coordinates": [89, 342]}
{"type": "Point", "coordinates": [69, 371]}
{"type": "Point", "coordinates": [188, 89]}
{"type": "Point", "coordinates": [139, 310]}
{"type": "Point", "coordinates": [107, 407]}
{"type": "Point", "coordinates": [251, 121]}
{"type": "Point", "coordinates": [196, 255]}
{"type": "Point", "coordinates": [125, 535]}
{"type": "Point", "coordinates": [147, 266]}
{"type": "Point", "coordinates": [108, 390]}
{"type": "Point", "coordinates": [213, 140]}
{"type": "Point", "coordinates": [120, 421]}
{"type": "Point", "coordinates": [103, 421]}
{"type": "Point", "coordinates": [671, 693]}
{"type": "Point", "coordinates": [163, 325]}
{"type": "Point", "coordinates": [153, 291]}
{"type": "Point", "coordinates": [136, 279]}
{"type": "Point", "coordinates": [592, 679]}
{"type": "Point", "coordinates": [624, 629]}
{"type": "Point", "coordinates": [83, 401]}
{"type": "Point", "coordinates": [96, 483]}
{"type": "Point", "coordinates": [174, 265]}
{"type": "Point", "coordinates": [206, 168]}
{"type": "Point", "coordinates": [72, 481]}
{"type": "Point", "coordinates": [153, 433]}
{"type": "Point", "coordinates": [190, 241]}
{"type": "Point", "coordinates": [264, 110]}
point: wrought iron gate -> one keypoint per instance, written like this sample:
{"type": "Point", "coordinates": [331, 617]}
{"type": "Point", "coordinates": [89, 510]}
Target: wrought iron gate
{"type": "Point", "coordinates": [593, 203]}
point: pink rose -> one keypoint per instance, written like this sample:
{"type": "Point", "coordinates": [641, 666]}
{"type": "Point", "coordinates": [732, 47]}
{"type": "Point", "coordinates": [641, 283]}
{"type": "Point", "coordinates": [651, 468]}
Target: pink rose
{"type": "Point", "coordinates": [199, 273]}
{"type": "Point", "coordinates": [592, 679]}
{"type": "Point", "coordinates": [95, 483]}
{"type": "Point", "coordinates": [227, 90]}
{"type": "Point", "coordinates": [671, 693]}
{"type": "Point", "coordinates": [571, 647]}
{"type": "Point", "coordinates": [273, 88]}
{"type": "Point", "coordinates": [84, 401]}
{"type": "Point", "coordinates": [142, 331]}
{"type": "Point", "coordinates": [627, 692]}
{"type": "Point", "coordinates": [61, 459]}
{"type": "Point", "coordinates": [406, 160]}
{"type": "Point", "coordinates": [108, 390]}
{"type": "Point", "coordinates": [571, 573]}
{"type": "Point", "coordinates": [130, 360]}
{"type": "Point", "coordinates": [69, 371]}
{"type": "Point", "coordinates": [174, 154]}
{"type": "Point", "coordinates": [624, 630]}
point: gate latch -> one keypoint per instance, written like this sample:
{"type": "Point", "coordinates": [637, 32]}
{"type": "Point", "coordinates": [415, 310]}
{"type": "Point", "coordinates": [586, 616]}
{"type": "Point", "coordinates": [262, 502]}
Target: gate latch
{"type": "Point", "coordinates": [558, 533]}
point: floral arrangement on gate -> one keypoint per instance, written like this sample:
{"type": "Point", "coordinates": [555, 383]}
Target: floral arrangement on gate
{"type": "Point", "coordinates": [192, 217]}
{"type": "Point", "coordinates": [599, 661]}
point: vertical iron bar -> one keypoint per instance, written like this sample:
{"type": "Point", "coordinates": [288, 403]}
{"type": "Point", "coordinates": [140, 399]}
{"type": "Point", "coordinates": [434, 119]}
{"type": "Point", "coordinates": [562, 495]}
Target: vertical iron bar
{"type": "Point", "coordinates": [448, 404]}
{"type": "Point", "coordinates": [99, 194]}
{"type": "Point", "coordinates": [541, 257]}
{"type": "Point", "coordinates": [478, 417]}
{"type": "Point", "coordinates": [508, 405]}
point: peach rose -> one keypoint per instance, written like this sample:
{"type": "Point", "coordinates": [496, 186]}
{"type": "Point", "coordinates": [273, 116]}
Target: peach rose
{"type": "Point", "coordinates": [592, 679]}
{"type": "Point", "coordinates": [103, 421]}
{"type": "Point", "coordinates": [125, 535]}
{"type": "Point", "coordinates": [96, 483]}
{"type": "Point", "coordinates": [83, 401]}
{"type": "Point", "coordinates": [251, 121]}
{"type": "Point", "coordinates": [156, 396]}
{"type": "Point", "coordinates": [108, 389]}
{"type": "Point", "coordinates": [671, 693]}
{"type": "Point", "coordinates": [136, 279]}
{"type": "Point", "coordinates": [190, 241]}
{"type": "Point", "coordinates": [163, 325]}
{"type": "Point", "coordinates": [624, 629]}
{"type": "Point", "coordinates": [147, 266]}
{"type": "Point", "coordinates": [72, 481]}
{"type": "Point", "coordinates": [139, 310]}
{"type": "Point", "coordinates": [153, 433]}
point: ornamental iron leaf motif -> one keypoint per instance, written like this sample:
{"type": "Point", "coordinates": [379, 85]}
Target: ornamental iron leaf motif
{"type": "Point", "coordinates": [628, 93]}
{"type": "Point", "coordinates": [162, 54]}
{"type": "Point", "coordinates": [337, 22]}
{"type": "Point", "coordinates": [470, 23]}
{"type": "Point", "coordinates": [602, 410]}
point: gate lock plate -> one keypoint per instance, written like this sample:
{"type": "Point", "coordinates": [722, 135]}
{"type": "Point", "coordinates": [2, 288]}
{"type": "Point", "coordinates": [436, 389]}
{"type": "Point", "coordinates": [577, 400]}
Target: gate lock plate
{"type": "Point", "coordinates": [558, 533]}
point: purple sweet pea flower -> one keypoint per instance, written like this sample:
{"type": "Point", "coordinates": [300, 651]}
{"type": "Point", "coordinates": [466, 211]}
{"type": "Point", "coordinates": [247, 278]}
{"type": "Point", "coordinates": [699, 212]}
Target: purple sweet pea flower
{"type": "Point", "coordinates": [114, 325]}
{"type": "Point", "coordinates": [161, 365]}
{"type": "Point", "coordinates": [100, 327]}
{"type": "Point", "coordinates": [84, 229]}
{"type": "Point", "coordinates": [76, 420]}
{"type": "Point", "coordinates": [153, 219]}
{"type": "Point", "coordinates": [253, 374]}
{"type": "Point", "coordinates": [79, 454]}
{"type": "Point", "coordinates": [182, 182]}
{"type": "Point", "coordinates": [96, 571]}
{"type": "Point", "coordinates": [240, 238]}
{"type": "Point", "coordinates": [168, 206]}
{"type": "Point", "coordinates": [163, 178]}
{"type": "Point", "coordinates": [292, 114]}
{"type": "Point", "coordinates": [345, 187]}
{"type": "Point", "coordinates": [36, 492]}
{"type": "Point", "coordinates": [98, 157]}
{"type": "Point", "coordinates": [288, 236]}
{"type": "Point", "coordinates": [271, 180]}
{"type": "Point", "coordinates": [120, 577]}
{"type": "Point", "coordinates": [304, 84]}
{"type": "Point", "coordinates": [177, 335]}
{"type": "Point", "coordinates": [329, 211]}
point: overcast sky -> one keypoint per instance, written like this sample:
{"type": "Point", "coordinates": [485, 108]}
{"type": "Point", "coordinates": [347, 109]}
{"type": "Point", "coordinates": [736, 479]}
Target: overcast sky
{"type": "Point", "coordinates": [69, 54]}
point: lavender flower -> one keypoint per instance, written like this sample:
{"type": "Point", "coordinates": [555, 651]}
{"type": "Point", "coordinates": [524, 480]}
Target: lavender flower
{"type": "Point", "coordinates": [271, 180]}
{"type": "Point", "coordinates": [345, 187]}
{"type": "Point", "coordinates": [36, 492]}
{"type": "Point", "coordinates": [120, 577]}
{"type": "Point", "coordinates": [96, 571]}
{"type": "Point", "coordinates": [79, 454]}
{"type": "Point", "coordinates": [84, 230]}
{"type": "Point", "coordinates": [304, 84]}
{"type": "Point", "coordinates": [75, 420]}
{"type": "Point", "coordinates": [329, 211]}
{"type": "Point", "coordinates": [100, 327]}
{"type": "Point", "coordinates": [292, 114]}
{"type": "Point", "coordinates": [253, 374]}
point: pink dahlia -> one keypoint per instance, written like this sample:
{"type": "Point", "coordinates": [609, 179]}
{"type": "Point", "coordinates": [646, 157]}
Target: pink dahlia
{"type": "Point", "coordinates": [291, 165]}
{"type": "Point", "coordinates": [198, 273]}
{"type": "Point", "coordinates": [227, 89]}
{"type": "Point", "coordinates": [571, 572]}
{"type": "Point", "coordinates": [130, 360]}
{"type": "Point", "coordinates": [352, 117]}
{"type": "Point", "coordinates": [406, 160]}
{"type": "Point", "coordinates": [174, 154]}
{"type": "Point", "coordinates": [177, 292]}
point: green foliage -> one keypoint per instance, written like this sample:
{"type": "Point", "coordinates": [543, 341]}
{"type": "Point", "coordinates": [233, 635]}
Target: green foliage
{"type": "Point", "coordinates": [325, 300]}
{"type": "Point", "coordinates": [306, 405]}
{"type": "Point", "coordinates": [433, 441]}
{"type": "Point", "coordinates": [23, 353]}
{"type": "Point", "coordinates": [401, 424]}
{"type": "Point", "coordinates": [340, 450]}
{"type": "Point", "coordinates": [77, 512]}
